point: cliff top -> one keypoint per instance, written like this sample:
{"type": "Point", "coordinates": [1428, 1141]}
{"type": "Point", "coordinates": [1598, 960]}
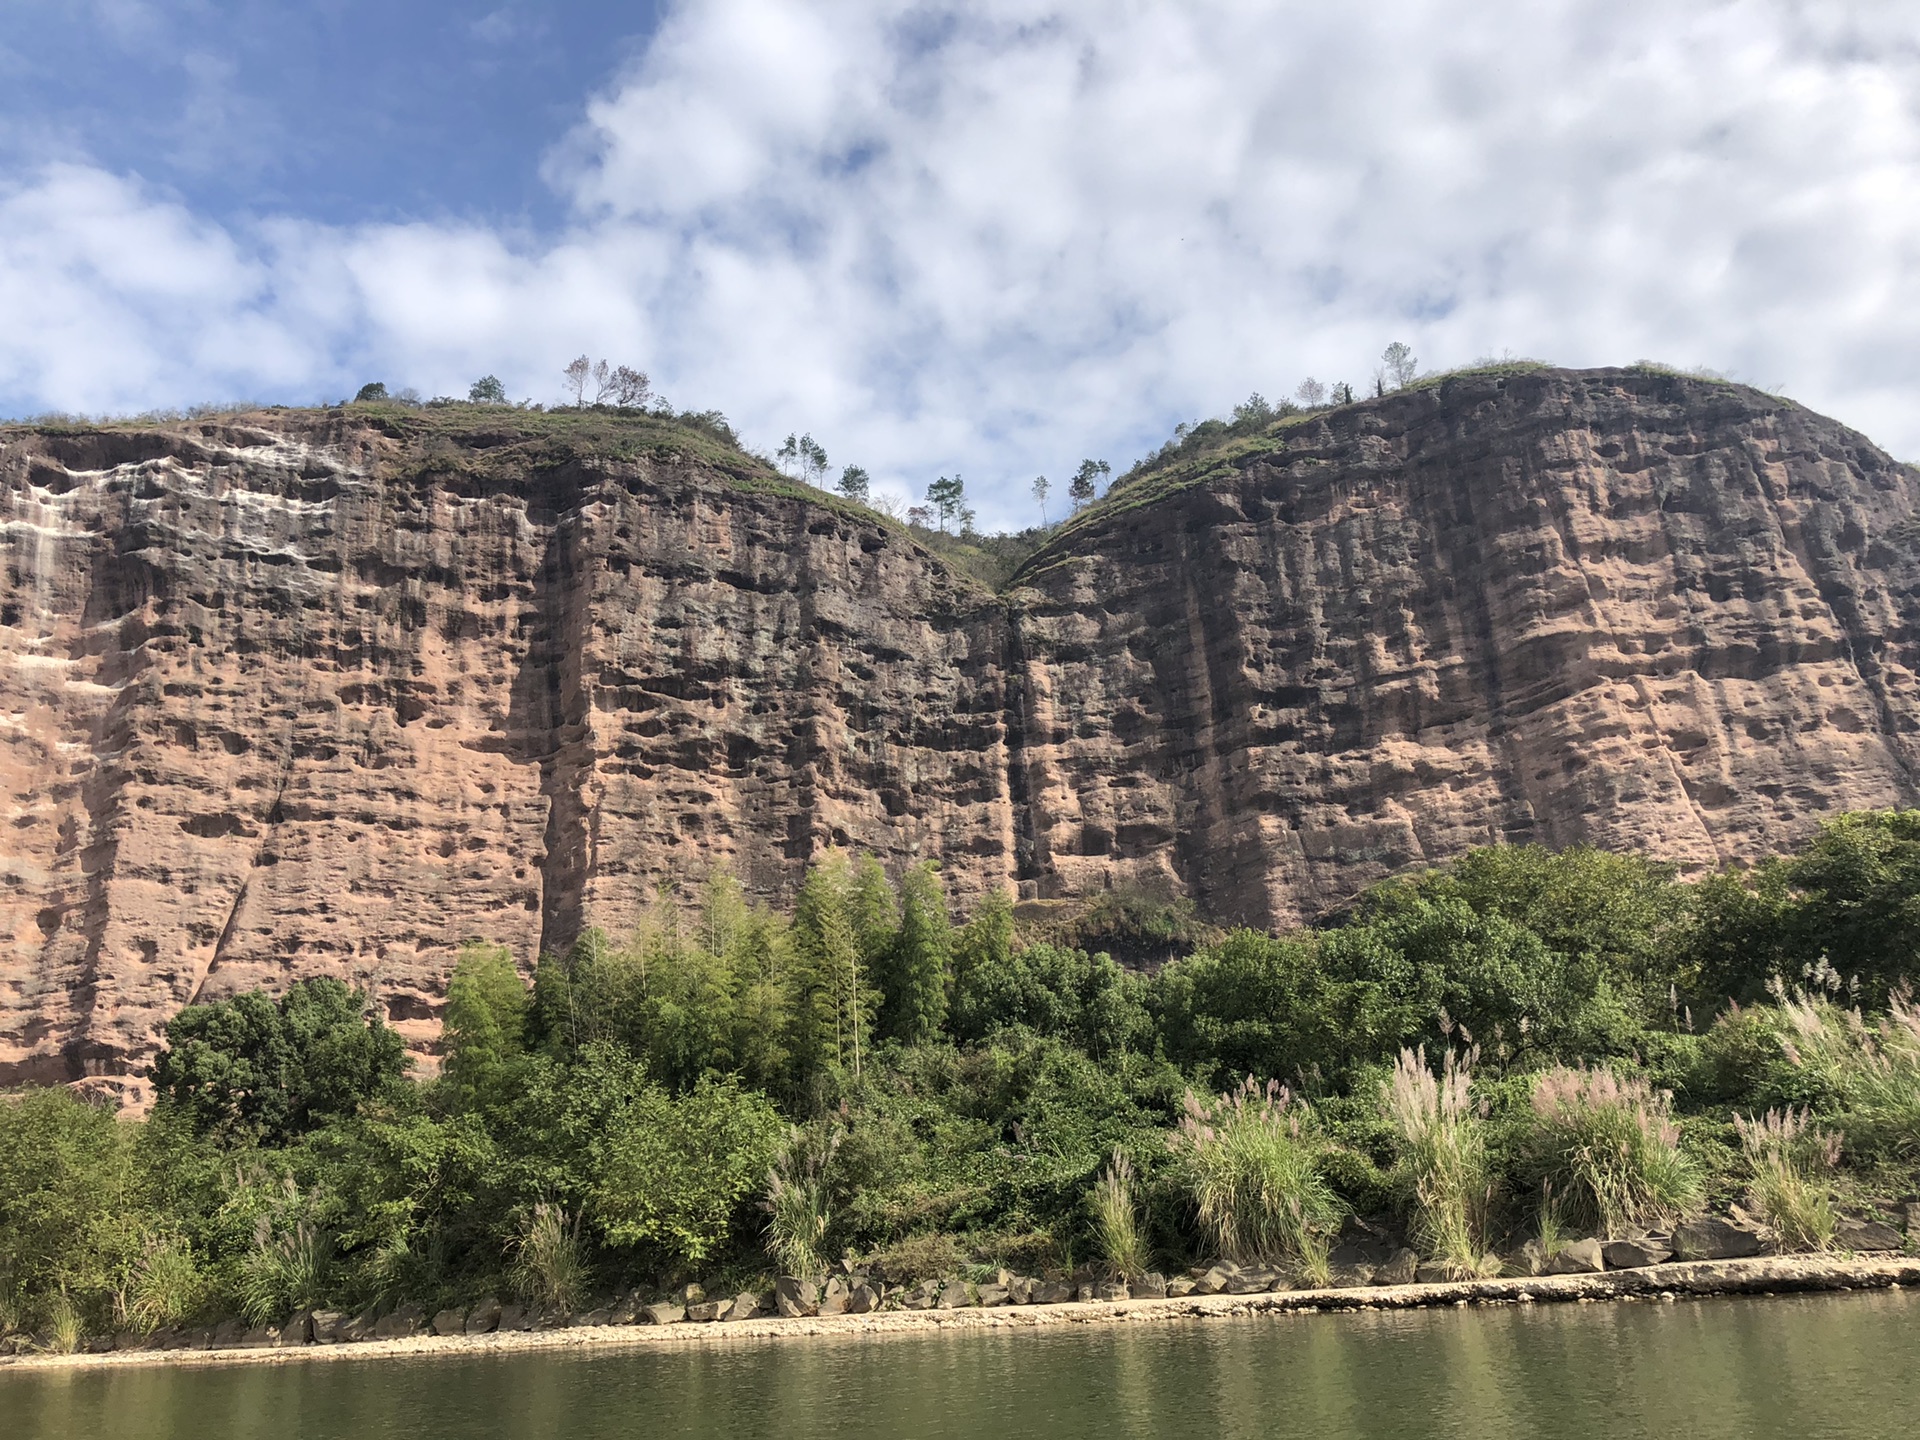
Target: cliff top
{"type": "Point", "coordinates": [492, 447]}
{"type": "Point", "coordinates": [505, 445]}
{"type": "Point", "coordinates": [1216, 450]}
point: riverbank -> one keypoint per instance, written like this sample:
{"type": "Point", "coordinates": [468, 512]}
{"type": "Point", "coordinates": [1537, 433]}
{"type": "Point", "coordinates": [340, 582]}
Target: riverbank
{"type": "Point", "coordinates": [1763, 1275]}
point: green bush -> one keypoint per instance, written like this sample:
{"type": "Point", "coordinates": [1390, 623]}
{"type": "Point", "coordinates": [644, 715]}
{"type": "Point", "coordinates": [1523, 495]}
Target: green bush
{"type": "Point", "coordinates": [271, 1070]}
{"type": "Point", "coordinates": [675, 1175]}
{"type": "Point", "coordinates": [1607, 1148]}
{"type": "Point", "coordinates": [69, 1233]}
{"type": "Point", "coordinates": [1250, 1165]}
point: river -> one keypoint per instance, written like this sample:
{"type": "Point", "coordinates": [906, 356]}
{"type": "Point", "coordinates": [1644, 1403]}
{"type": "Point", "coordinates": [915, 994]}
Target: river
{"type": "Point", "coordinates": [1805, 1367]}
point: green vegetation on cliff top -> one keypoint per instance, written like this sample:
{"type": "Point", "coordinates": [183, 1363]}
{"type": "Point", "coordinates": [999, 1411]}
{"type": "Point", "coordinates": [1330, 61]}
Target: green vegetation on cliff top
{"type": "Point", "coordinates": [500, 442]}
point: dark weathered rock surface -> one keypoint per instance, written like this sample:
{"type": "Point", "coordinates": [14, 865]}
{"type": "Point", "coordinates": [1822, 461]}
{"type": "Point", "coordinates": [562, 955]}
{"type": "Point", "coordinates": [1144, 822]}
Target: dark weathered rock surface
{"type": "Point", "coordinates": [1713, 1238]}
{"type": "Point", "coordinates": [744, 1306]}
{"type": "Point", "coordinates": [1634, 1254]}
{"type": "Point", "coordinates": [1400, 1269]}
{"type": "Point", "coordinates": [794, 1297]}
{"type": "Point", "coordinates": [309, 693]}
{"type": "Point", "coordinates": [1866, 1236]}
{"type": "Point", "coordinates": [1578, 1257]}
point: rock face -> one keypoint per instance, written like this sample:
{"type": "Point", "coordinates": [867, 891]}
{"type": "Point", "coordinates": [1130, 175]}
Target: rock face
{"type": "Point", "coordinates": [286, 699]}
{"type": "Point", "coordinates": [1611, 607]}
{"type": "Point", "coordinates": [331, 692]}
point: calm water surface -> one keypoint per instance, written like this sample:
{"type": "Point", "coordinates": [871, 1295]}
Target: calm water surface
{"type": "Point", "coordinates": [1800, 1367]}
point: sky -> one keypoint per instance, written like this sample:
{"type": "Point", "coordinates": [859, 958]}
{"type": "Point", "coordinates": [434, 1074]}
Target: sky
{"type": "Point", "coordinates": [990, 238]}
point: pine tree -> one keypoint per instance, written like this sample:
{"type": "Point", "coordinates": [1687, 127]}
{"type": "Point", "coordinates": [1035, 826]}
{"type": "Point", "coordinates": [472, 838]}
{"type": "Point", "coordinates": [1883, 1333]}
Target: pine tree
{"type": "Point", "coordinates": [922, 958]}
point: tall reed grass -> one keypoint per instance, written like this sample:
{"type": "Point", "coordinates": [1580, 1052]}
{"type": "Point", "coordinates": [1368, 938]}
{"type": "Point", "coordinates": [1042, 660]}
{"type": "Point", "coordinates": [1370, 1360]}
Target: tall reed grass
{"type": "Point", "coordinates": [166, 1287]}
{"type": "Point", "coordinates": [798, 1202]}
{"type": "Point", "coordinates": [1116, 1219]}
{"type": "Point", "coordinates": [1872, 1066]}
{"type": "Point", "coordinates": [549, 1269]}
{"type": "Point", "coordinates": [1609, 1148]}
{"type": "Point", "coordinates": [283, 1272]}
{"type": "Point", "coordinates": [1250, 1163]}
{"type": "Point", "coordinates": [1442, 1167]}
{"type": "Point", "coordinates": [60, 1323]}
{"type": "Point", "coordinates": [1792, 1164]}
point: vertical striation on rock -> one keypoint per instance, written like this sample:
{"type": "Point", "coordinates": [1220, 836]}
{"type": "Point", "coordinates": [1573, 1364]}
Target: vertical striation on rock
{"type": "Point", "coordinates": [331, 692]}
{"type": "Point", "coordinates": [1617, 607]}
{"type": "Point", "coordinates": [283, 700]}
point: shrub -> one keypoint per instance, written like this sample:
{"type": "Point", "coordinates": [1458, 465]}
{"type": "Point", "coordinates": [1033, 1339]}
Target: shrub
{"type": "Point", "coordinates": [1608, 1147]}
{"type": "Point", "coordinates": [1249, 1162]}
{"type": "Point", "coordinates": [797, 1203]}
{"type": "Point", "coordinates": [1442, 1167]}
{"type": "Point", "coordinates": [1792, 1163]}
{"type": "Point", "coordinates": [66, 1221]}
{"type": "Point", "coordinates": [166, 1286]}
{"type": "Point", "coordinates": [674, 1174]}
{"type": "Point", "coordinates": [919, 1257]}
{"type": "Point", "coordinates": [1873, 1068]}
{"type": "Point", "coordinates": [283, 1272]}
{"type": "Point", "coordinates": [1114, 1201]}
{"type": "Point", "coordinates": [549, 1269]}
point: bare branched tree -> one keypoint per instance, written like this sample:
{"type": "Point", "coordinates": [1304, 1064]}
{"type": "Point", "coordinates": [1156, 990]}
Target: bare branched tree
{"type": "Point", "coordinates": [630, 388]}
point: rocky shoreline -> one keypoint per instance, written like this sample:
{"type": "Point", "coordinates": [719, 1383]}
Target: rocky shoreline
{"type": "Point", "coordinates": [1675, 1280]}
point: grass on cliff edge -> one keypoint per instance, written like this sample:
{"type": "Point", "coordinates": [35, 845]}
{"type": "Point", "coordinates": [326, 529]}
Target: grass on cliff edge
{"type": "Point", "coordinates": [1214, 449]}
{"type": "Point", "coordinates": [501, 441]}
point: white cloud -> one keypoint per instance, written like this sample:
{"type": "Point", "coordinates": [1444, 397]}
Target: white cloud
{"type": "Point", "coordinates": [999, 236]}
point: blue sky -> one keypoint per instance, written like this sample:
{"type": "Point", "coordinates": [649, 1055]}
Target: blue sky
{"type": "Point", "coordinates": [991, 237]}
{"type": "Point", "coordinates": [339, 110]}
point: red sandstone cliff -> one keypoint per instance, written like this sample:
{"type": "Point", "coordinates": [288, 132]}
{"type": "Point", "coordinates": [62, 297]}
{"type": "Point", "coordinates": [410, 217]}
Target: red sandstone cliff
{"type": "Point", "coordinates": [332, 692]}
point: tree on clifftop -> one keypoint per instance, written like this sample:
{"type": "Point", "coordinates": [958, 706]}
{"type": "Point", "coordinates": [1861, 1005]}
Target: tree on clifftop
{"type": "Point", "coordinates": [1084, 485]}
{"type": "Point", "coordinates": [948, 496]}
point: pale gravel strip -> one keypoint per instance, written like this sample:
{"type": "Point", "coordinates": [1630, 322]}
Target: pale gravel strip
{"type": "Point", "coordinates": [1761, 1275]}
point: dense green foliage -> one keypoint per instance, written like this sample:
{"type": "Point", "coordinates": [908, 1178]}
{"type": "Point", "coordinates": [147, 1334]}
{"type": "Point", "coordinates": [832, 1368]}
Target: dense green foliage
{"type": "Point", "coordinates": [1611, 1046]}
{"type": "Point", "coordinates": [275, 1069]}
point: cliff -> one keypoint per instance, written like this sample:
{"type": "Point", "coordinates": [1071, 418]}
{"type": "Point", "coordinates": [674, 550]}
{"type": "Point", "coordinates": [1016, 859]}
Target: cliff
{"type": "Point", "coordinates": [1624, 608]}
{"type": "Point", "coordinates": [300, 692]}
